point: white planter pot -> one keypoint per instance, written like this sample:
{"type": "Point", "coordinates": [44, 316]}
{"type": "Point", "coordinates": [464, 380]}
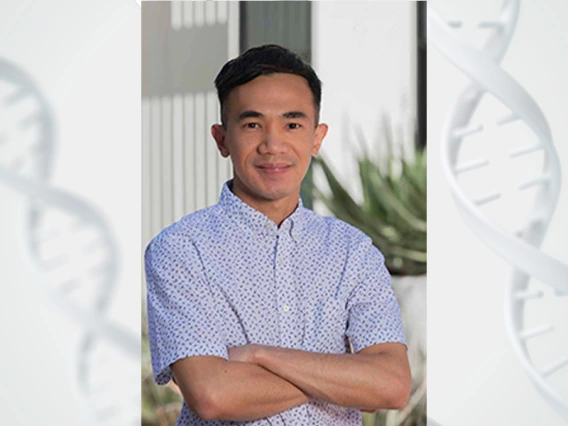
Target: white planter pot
{"type": "Point", "coordinates": [411, 294]}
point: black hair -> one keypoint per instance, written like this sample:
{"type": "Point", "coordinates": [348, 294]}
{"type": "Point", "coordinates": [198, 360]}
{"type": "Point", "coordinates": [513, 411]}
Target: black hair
{"type": "Point", "coordinates": [264, 60]}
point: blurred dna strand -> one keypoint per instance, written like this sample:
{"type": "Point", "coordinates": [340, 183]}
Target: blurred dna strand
{"type": "Point", "coordinates": [521, 246]}
{"type": "Point", "coordinates": [74, 249]}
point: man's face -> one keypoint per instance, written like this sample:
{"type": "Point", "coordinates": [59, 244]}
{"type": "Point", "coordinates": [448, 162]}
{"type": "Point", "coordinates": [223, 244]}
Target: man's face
{"type": "Point", "coordinates": [270, 136]}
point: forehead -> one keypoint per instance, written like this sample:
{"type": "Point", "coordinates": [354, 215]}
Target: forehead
{"type": "Point", "coordinates": [272, 93]}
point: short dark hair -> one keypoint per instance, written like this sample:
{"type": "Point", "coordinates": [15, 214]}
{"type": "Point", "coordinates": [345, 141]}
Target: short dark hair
{"type": "Point", "coordinates": [264, 60]}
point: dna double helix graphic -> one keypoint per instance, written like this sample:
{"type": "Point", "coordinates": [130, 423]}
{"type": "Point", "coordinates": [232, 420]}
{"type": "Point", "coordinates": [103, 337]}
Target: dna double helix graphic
{"type": "Point", "coordinates": [537, 193]}
{"type": "Point", "coordinates": [73, 247]}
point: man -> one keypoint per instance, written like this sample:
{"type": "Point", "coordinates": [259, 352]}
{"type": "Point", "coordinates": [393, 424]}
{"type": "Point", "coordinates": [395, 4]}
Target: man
{"type": "Point", "coordinates": [254, 303]}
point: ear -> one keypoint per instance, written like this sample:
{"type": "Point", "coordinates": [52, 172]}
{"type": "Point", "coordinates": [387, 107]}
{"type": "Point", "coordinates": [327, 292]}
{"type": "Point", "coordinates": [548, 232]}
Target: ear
{"type": "Point", "coordinates": [218, 133]}
{"type": "Point", "coordinates": [321, 131]}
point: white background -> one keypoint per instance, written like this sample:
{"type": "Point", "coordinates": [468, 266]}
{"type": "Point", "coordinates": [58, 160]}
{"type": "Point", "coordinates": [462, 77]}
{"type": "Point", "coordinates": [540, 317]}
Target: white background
{"type": "Point", "coordinates": [85, 58]}
{"type": "Point", "coordinates": [474, 376]}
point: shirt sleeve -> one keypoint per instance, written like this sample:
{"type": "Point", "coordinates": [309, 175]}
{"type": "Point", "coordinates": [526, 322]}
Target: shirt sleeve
{"type": "Point", "coordinates": [182, 319]}
{"type": "Point", "coordinates": [374, 313]}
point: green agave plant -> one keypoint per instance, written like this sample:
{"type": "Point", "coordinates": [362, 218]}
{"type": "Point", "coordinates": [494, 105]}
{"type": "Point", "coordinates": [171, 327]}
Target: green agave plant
{"type": "Point", "coordinates": [393, 210]}
{"type": "Point", "coordinates": [393, 213]}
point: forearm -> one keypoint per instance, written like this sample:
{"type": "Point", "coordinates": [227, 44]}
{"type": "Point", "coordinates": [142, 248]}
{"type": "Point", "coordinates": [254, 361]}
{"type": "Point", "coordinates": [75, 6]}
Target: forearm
{"type": "Point", "coordinates": [241, 391]}
{"type": "Point", "coordinates": [349, 380]}
{"type": "Point", "coordinates": [251, 392]}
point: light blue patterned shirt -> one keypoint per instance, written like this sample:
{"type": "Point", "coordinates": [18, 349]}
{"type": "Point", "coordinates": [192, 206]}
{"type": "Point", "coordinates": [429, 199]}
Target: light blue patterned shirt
{"type": "Point", "coordinates": [227, 276]}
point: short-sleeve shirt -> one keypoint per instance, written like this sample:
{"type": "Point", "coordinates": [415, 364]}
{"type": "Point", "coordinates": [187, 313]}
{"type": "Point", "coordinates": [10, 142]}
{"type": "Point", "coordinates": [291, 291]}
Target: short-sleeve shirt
{"type": "Point", "coordinates": [228, 276]}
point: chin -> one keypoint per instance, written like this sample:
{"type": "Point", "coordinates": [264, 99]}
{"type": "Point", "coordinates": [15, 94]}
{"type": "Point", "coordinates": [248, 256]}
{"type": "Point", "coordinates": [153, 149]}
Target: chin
{"type": "Point", "coordinates": [271, 189]}
{"type": "Point", "coordinates": [274, 192]}
{"type": "Point", "coordinates": [274, 195]}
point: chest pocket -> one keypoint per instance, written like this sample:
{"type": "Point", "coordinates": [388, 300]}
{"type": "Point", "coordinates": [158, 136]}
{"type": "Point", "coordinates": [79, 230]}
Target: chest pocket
{"type": "Point", "coordinates": [325, 323]}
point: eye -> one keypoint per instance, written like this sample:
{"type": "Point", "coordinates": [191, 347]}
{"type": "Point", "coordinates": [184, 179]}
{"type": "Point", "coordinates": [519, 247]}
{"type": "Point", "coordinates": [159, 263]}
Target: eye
{"type": "Point", "coordinates": [294, 126]}
{"type": "Point", "coordinates": [250, 125]}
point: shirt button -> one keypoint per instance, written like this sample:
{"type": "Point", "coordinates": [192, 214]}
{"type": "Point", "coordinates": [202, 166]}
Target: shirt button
{"type": "Point", "coordinates": [285, 308]}
{"type": "Point", "coordinates": [267, 226]}
{"type": "Point", "coordinates": [281, 261]}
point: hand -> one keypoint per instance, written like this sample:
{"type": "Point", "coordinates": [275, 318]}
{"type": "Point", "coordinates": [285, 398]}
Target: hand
{"type": "Point", "coordinates": [246, 353]}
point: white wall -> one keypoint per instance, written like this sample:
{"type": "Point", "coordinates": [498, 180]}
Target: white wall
{"type": "Point", "coordinates": [474, 376]}
{"type": "Point", "coordinates": [364, 53]}
{"type": "Point", "coordinates": [184, 44]}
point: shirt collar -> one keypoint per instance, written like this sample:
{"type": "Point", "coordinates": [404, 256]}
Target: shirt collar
{"type": "Point", "coordinates": [256, 221]}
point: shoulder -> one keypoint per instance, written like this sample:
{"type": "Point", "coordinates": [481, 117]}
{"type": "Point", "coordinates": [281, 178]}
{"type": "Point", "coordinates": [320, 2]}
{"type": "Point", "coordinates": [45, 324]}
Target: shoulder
{"type": "Point", "coordinates": [345, 243]}
{"type": "Point", "coordinates": [334, 230]}
{"type": "Point", "coordinates": [182, 234]}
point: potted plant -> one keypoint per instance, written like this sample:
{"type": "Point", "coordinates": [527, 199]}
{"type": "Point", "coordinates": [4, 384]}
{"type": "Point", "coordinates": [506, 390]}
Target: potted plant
{"type": "Point", "coordinates": [392, 213]}
{"type": "Point", "coordinates": [160, 404]}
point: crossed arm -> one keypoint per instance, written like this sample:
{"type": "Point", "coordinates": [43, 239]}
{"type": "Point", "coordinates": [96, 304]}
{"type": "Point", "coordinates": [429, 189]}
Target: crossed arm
{"type": "Point", "coordinates": [259, 381]}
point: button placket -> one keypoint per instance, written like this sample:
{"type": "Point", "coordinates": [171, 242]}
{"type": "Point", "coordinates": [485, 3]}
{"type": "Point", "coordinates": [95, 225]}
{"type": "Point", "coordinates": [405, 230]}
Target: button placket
{"type": "Point", "coordinates": [286, 297]}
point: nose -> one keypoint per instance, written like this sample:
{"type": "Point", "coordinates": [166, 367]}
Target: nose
{"type": "Point", "coordinates": [273, 141]}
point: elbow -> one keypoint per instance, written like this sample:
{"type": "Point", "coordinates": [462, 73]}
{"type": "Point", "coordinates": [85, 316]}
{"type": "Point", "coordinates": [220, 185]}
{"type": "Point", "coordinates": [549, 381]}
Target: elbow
{"type": "Point", "coordinates": [400, 392]}
{"type": "Point", "coordinates": [400, 398]}
{"type": "Point", "coordinates": [214, 404]}
{"type": "Point", "coordinates": [395, 396]}
{"type": "Point", "coordinates": [206, 405]}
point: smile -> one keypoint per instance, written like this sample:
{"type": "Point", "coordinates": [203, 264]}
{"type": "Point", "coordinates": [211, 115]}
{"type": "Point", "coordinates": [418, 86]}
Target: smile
{"type": "Point", "coordinates": [274, 168]}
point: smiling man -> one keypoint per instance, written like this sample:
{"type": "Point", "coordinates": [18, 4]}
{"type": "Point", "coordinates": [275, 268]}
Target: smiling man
{"type": "Point", "coordinates": [261, 310]}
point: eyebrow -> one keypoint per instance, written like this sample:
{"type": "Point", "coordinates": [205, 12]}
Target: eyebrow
{"type": "Point", "coordinates": [250, 114]}
{"type": "Point", "coordinates": [255, 114]}
{"type": "Point", "coordinates": [294, 114]}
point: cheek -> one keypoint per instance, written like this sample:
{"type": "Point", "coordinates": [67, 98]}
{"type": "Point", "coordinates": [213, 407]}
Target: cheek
{"type": "Point", "coordinates": [306, 152]}
{"type": "Point", "coordinates": [241, 149]}
{"type": "Point", "coordinates": [242, 160]}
